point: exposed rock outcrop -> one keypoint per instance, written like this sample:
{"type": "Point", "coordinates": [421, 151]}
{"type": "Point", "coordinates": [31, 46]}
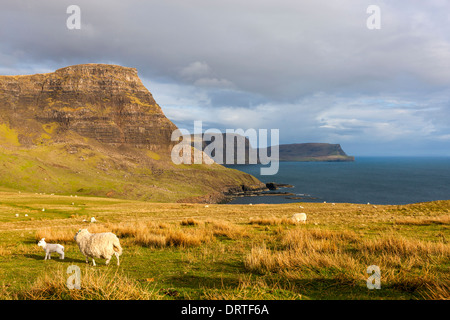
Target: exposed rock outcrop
{"type": "Point", "coordinates": [95, 129]}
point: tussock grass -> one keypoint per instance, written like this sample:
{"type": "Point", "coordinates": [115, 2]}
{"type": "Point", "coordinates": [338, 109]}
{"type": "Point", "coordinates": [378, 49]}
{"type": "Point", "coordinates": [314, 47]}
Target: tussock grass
{"type": "Point", "coordinates": [189, 222]}
{"type": "Point", "coordinates": [424, 221]}
{"type": "Point", "coordinates": [406, 264]}
{"type": "Point", "coordinates": [95, 285]}
{"type": "Point", "coordinates": [53, 234]}
{"type": "Point", "coordinates": [272, 221]}
{"type": "Point", "coordinates": [398, 245]}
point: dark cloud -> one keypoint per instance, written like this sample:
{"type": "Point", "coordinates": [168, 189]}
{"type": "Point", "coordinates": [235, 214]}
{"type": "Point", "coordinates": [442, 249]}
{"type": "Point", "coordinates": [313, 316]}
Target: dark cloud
{"type": "Point", "coordinates": [288, 64]}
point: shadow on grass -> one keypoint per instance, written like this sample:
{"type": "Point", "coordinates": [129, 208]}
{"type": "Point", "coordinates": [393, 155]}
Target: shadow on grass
{"type": "Point", "coordinates": [56, 258]}
{"type": "Point", "coordinates": [197, 281]}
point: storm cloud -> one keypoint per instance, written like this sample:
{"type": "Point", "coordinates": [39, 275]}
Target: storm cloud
{"type": "Point", "coordinates": [310, 68]}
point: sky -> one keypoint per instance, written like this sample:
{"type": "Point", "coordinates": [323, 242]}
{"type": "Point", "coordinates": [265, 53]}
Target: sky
{"type": "Point", "coordinates": [314, 70]}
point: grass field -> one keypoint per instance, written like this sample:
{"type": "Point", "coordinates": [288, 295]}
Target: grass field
{"type": "Point", "coordinates": [190, 251]}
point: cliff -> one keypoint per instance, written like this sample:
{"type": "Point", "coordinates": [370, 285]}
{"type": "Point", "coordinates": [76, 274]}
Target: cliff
{"type": "Point", "coordinates": [95, 129]}
{"type": "Point", "coordinates": [287, 152]}
{"type": "Point", "coordinates": [313, 152]}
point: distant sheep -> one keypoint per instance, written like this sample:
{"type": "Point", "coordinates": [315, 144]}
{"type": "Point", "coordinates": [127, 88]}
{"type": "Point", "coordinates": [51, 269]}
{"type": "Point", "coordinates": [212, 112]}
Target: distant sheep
{"type": "Point", "coordinates": [299, 217]}
{"type": "Point", "coordinates": [98, 245]}
{"type": "Point", "coordinates": [50, 247]}
{"type": "Point", "coordinates": [93, 220]}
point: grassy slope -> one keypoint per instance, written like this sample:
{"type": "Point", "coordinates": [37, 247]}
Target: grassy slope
{"type": "Point", "coordinates": [227, 251]}
{"type": "Point", "coordinates": [98, 172]}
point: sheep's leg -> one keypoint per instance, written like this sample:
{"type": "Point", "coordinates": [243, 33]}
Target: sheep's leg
{"type": "Point", "coordinates": [108, 260]}
{"type": "Point", "coordinates": [93, 262]}
{"type": "Point", "coordinates": [117, 256]}
{"type": "Point", "coordinates": [49, 255]}
{"type": "Point", "coordinates": [61, 256]}
{"type": "Point", "coordinates": [87, 260]}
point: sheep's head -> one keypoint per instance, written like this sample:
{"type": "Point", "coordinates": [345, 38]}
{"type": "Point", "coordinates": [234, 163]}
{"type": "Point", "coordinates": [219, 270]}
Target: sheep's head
{"type": "Point", "coordinates": [81, 231]}
{"type": "Point", "coordinates": [42, 243]}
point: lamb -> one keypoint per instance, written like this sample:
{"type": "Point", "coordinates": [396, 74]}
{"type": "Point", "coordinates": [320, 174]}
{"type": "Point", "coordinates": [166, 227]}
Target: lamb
{"type": "Point", "coordinates": [98, 245]}
{"type": "Point", "coordinates": [51, 247]}
{"type": "Point", "coordinates": [299, 217]}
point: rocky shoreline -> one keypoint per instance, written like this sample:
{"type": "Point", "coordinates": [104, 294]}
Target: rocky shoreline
{"type": "Point", "coordinates": [269, 190]}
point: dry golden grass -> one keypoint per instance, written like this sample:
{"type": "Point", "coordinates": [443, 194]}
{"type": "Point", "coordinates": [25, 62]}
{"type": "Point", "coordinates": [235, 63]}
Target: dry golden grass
{"type": "Point", "coordinates": [149, 234]}
{"type": "Point", "coordinates": [424, 221]}
{"type": "Point", "coordinates": [272, 221]}
{"type": "Point", "coordinates": [226, 229]}
{"type": "Point", "coordinates": [398, 245]}
{"type": "Point", "coordinates": [189, 222]}
{"type": "Point", "coordinates": [405, 263]}
{"type": "Point", "coordinates": [95, 285]}
{"type": "Point", "coordinates": [52, 234]}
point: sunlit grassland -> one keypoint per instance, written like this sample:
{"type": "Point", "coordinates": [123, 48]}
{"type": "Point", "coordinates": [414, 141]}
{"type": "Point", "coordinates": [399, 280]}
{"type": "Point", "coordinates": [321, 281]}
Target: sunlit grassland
{"type": "Point", "coordinates": [190, 251]}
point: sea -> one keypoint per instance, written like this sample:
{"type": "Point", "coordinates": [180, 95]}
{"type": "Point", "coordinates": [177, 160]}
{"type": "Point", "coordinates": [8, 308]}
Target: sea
{"type": "Point", "coordinates": [374, 180]}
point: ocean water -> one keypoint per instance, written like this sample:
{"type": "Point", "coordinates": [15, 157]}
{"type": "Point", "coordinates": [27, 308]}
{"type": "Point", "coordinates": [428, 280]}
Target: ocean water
{"type": "Point", "coordinates": [378, 180]}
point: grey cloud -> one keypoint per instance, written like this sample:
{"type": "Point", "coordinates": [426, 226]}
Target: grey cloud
{"type": "Point", "coordinates": [278, 63]}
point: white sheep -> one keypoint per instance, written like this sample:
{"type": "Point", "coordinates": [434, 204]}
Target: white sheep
{"type": "Point", "coordinates": [51, 247]}
{"type": "Point", "coordinates": [98, 245]}
{"type": "Point", "coordinates": [93, 220]}
{"type": "Point", "coordinates": [299, 217]}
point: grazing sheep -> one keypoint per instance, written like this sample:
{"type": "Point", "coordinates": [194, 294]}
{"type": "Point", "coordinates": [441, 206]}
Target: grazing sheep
{"type": "Point", "coordinates": [26, 215]}
{"type": "Point", "coordinates": [51, 247]}
{"type": "Point", "coordinates": [43, 209]}
{"type": "Point", "coordinates": [98, 245]}
{"type": "Point", "coordinates": [93, 220]}
{"type": "Point", "coordinates": [299, 217]}
{"type": "Point", "coordinates": [301, 207]}
{"type": "Point", "coordinates": [17, 215]}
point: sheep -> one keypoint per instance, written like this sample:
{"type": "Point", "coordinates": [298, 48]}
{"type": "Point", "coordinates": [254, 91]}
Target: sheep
{"type": "Point", "coordinates": [299, 217]}
{"type": "Point", "coordinates": [98, 245]}
{"type": "Point", "coordinates": [93, 220]}
{"type": "Point", "coordinates": [26, 215]}
{"type": "Point", "coordinates": [51, 247]}
{"type": "Point", "coordinates": [17, 215]}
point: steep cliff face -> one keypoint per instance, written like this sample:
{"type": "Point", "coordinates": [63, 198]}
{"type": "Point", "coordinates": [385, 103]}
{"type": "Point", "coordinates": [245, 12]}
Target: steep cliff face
{"type": "Point", "coordinates": [95, 129]}
{"type": "Point", "coordinates": [104, 102]}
